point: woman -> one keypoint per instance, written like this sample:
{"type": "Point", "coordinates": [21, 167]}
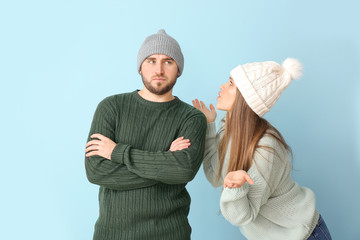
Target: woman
{"type": "Point", "coordinates": [250, 158]}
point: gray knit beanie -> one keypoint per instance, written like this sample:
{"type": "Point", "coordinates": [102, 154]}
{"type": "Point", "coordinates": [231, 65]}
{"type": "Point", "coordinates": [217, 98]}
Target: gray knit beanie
{"type": "Point", "coordinates": [161, 43]}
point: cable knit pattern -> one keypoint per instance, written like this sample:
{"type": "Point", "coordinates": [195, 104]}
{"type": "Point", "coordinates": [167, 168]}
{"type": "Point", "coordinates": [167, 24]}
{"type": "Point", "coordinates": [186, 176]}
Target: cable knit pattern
{"type": "Point", "coordinates": [261, 83]}
{"type": "Point", "coordinates": [142, 189]}
{"type": "Point", "coordinates": [274, 207]}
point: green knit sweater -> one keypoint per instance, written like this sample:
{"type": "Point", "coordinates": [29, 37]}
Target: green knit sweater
{"type": "Point", "coordinates": [142, 188]}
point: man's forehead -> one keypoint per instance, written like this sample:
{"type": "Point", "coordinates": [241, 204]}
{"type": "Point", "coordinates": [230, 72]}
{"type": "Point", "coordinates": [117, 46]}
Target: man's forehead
{"type": "Point", "coordinates": [160, 56]}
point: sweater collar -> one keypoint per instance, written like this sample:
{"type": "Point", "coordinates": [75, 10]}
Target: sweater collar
{"type": "Point", "coordinates": [148, 103]}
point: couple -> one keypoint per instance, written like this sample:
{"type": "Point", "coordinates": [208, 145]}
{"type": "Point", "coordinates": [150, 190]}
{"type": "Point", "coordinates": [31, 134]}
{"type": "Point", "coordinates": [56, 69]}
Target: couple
{"type": "Point", "coordinates": [145, 146]}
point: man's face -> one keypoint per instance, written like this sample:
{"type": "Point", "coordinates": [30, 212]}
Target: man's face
{"type": "Point", "coordinates": [159, 73]}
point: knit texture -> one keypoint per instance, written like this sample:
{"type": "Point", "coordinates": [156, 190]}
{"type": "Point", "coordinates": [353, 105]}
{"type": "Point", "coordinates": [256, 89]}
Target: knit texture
{"type": "Point", "coordinates": [261, 83]}
{"type": "Point", "coordinates": [161, 43]}
{"type": "Point", "coordinates": [274, 207]}
{"type": "Point", "coordinates": [142, 189]}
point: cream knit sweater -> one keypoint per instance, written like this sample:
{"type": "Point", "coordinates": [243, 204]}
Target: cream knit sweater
{"type": "Point", "coordinates": [284, 210]}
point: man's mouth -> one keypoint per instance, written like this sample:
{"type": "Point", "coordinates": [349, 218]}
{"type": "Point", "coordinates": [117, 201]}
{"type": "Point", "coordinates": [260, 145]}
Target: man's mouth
{"type": "Point", "coordinates": [158, 79]}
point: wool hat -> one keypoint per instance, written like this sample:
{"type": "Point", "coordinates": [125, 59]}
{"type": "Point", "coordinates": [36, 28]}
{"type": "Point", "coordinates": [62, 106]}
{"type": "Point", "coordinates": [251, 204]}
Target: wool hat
{"type": "Point", "coordinates": [261, 83]}
{"type": "Point", "coordinates": [161, 43]}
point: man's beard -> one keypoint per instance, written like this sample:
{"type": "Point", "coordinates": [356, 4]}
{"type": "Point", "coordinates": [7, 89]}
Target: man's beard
{"type": "Point", "coordinates": [158, 91]}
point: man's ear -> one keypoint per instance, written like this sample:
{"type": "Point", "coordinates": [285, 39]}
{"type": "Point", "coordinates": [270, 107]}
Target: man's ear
{"type": "Point", "coordinates": [178, 74]}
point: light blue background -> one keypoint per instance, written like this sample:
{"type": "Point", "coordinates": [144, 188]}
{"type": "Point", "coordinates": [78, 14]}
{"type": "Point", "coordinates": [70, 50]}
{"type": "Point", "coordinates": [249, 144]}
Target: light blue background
{"type": "Point", "coordinates": [58, 59]}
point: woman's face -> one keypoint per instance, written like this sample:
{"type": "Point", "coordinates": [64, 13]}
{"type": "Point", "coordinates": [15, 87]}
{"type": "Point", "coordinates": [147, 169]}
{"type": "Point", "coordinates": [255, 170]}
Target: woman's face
{"type": "Point", "coordinates": [227, 95]}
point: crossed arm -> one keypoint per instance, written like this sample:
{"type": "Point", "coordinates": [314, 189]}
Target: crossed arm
{"type": "Point", "coordinates": [121, 167]}
{"type": "Point", "coordinates": [105, 146]}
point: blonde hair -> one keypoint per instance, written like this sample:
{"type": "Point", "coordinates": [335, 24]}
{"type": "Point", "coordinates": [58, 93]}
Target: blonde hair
{"type": "Point", "coordinates": [245, 129]}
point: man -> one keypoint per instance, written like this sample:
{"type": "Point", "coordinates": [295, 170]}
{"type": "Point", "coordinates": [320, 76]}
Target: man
{"type": "Point", "coordinates": [143, 148]}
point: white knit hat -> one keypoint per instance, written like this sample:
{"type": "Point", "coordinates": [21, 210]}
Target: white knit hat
{"type": "Point", "coordinates": [261, 83]}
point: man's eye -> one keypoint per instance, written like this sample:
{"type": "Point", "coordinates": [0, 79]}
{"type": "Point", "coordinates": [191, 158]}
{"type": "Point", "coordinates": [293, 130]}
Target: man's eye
{"type": "Point", "coordinates": [231, 83]}
{"type": "Point", "coordinates": [168, 62]}
{"type": "Point", "coordinates": [151, 61]}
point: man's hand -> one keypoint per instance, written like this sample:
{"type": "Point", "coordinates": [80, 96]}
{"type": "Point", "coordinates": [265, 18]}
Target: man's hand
{"type": "Point", "coordinates": [102, 147]}
{"type": "Point", "coordinates": [236, 179]}
{"type": "Point", "coordinates": [179, 144]}
{"type": "Point", "coordinates": [209, 114]}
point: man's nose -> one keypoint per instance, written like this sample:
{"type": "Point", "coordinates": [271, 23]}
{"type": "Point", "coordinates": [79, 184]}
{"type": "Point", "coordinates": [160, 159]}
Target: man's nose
{"type": "Point", "coordinates": [159, 68]}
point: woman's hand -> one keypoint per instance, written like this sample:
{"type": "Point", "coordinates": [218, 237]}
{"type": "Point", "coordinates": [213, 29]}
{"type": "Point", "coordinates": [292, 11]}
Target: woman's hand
{"type": "Point", "coordinates": [179, 144]}
{"type": "Point", "coordinates": [236, 179]}
{"type": "Point", "coordinates": [209, 114]}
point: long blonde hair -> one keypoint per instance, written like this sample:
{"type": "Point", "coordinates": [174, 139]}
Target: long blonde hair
{"type": "Point", "coordinates": [245, 129]}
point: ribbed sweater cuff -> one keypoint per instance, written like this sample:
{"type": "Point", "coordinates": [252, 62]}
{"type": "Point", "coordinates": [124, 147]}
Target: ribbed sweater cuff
{"type": "Point", "coordinates": [235, 193]}
{"type": "Point", "coordinates": [211, 130]}
{"type": "Point", "coordinates": [118, 153]}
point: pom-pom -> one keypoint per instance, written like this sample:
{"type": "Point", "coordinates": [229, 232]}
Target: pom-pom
{"type": "Point", "coordinates": [293, 67]}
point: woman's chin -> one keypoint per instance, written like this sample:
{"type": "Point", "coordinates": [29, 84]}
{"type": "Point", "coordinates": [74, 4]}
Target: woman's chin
{"type": "Point", "coordinates": [218, 106]}
{"type": "Point", "coordinates": [221, 107]}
